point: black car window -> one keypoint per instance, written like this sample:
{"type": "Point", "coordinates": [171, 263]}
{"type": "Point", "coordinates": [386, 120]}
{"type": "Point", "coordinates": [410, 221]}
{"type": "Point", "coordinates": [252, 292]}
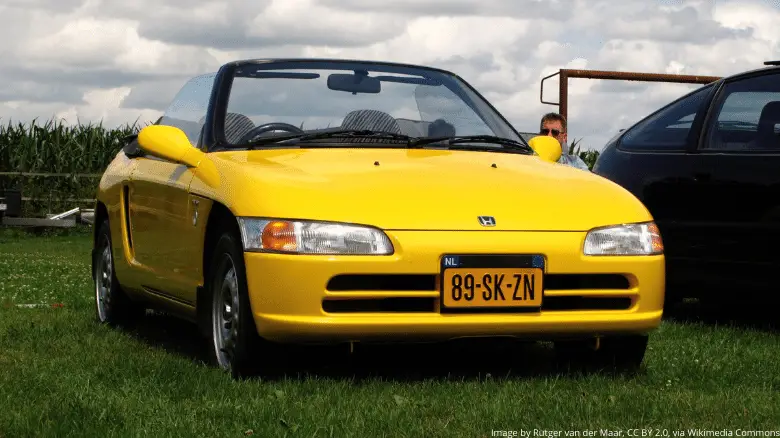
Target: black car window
{"type": "Point", "coordinates": [747, 116]}
{"type": "Point", "coordinates": [668, 128]}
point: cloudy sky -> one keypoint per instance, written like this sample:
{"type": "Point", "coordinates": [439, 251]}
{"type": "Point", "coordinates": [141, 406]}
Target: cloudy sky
{"type": "Point", "coordinates": [119, 61]}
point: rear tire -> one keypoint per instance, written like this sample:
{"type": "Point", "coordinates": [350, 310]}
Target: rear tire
{"type": "Point", "coordinates": [112, 305]}
{"type": "Point", "coordinates": [233, 338]}
{"type": "Point", "coordinates": [622, 353]}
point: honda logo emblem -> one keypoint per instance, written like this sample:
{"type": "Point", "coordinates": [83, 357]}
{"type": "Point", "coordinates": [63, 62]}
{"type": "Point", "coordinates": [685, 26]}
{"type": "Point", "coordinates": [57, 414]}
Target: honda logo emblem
{"type": "Point", "coordinates": [487, 221]}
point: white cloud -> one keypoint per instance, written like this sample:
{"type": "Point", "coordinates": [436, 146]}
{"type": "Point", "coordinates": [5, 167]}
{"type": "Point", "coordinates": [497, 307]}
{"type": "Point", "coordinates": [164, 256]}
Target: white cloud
{"type": "Point", "coordinates": [305, 20]}
{"type": "Point", "coordinates": [759, 17]}
{"type": "Point", "coordinates": [114, 60]}
{"type": "Point", "coordinates": [83, 41]}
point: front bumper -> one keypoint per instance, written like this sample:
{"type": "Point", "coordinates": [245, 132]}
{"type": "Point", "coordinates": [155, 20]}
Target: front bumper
{"type": "Point", "coordinates": [307, 298]}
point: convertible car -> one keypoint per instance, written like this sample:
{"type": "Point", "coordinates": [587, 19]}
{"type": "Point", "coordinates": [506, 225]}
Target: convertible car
{"type": "Point", "coordinates": [338, 201]}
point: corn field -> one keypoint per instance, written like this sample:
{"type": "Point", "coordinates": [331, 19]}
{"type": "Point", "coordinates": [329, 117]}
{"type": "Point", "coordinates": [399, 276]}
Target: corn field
{"type": "Point", "coordinates": [79, 152]}
{"type": "Point", "coordinates": [589, 156]}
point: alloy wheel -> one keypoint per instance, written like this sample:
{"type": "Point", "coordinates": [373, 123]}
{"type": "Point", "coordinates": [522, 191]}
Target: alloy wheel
{"type": "Point", "coordinates": [103, 279]}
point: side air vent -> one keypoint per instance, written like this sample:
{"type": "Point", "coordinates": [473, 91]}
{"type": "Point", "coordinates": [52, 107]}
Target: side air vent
{"type": "Point", "coordinates": [126, 215]}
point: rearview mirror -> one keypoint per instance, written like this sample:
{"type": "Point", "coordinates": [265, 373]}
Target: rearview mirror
{"type": "Point", "coordinates": [169, 143]}
{"type": "Point", "coordinates": [354, 83]}
{"type": "Point", "coordinates": [548, 148]}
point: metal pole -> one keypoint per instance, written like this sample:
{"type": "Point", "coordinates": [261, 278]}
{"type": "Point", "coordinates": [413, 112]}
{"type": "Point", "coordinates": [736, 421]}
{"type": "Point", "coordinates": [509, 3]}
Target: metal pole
{"type": "Point", "coordinates": [563, 95]}
{"type": "Point", "coordinates": [637, 76]}
{"type": "Point", "coordinates": [565, 74]}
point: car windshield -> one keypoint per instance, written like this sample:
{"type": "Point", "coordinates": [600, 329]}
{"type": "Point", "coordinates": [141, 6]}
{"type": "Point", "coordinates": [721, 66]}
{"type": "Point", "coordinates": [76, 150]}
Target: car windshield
{"type": "Point", "coordinates": [276, 101]}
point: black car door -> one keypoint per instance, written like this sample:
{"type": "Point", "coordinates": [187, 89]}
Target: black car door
{"type": "Point", "coordinates": [737, 185]}
{"type": "Point", "coordinates": [656, 161]}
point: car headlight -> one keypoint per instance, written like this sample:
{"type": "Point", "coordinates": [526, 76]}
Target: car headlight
{"type": "Point", "coordinates": [310, 237]}
{"type": "Point", "coordinates": [627, 239]}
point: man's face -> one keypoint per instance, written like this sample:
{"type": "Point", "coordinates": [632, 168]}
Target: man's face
{"type": "Point", "coordinates": [553, 128]}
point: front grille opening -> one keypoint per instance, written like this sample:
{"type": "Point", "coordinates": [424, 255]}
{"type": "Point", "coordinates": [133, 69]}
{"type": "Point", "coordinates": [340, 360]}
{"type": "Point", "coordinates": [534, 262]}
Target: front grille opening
{"type": "Point", "coordinates": [574, 303]}
{"type": "Point", "coordinates": [429, 305]}
{"type": "Point", "coordinates": [381, 282]}
{"type": "Point", "coordinates": [427, 282]}
{"type": "Point", "coordinates": [380, 305]}
{"type": "Point", "coordinates": [585, 281]}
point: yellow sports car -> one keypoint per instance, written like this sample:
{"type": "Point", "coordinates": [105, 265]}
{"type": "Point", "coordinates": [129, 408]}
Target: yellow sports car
{"type": "Point", "coordinates": [310, 201]}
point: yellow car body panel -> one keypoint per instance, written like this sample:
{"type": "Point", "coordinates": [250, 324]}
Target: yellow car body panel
{"type": "Point", "coordinates": [111, 195]}
{"type": "Point", "coordinates": [419, 198]}
{"type": "Point", "coordinates": [161, 205]}
{"type": "Point", "coordinates": [288, 292]}
{"type": "Point", "coordinates": [417, 189]}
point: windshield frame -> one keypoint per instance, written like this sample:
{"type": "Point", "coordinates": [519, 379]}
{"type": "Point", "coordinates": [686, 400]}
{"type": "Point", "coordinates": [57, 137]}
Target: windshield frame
{"type": "Point", "coordinates": [213, 136]}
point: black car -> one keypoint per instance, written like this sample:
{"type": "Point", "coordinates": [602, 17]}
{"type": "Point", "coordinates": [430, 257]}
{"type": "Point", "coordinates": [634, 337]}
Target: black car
{"type": "Point", "coordinates": [707, 166]}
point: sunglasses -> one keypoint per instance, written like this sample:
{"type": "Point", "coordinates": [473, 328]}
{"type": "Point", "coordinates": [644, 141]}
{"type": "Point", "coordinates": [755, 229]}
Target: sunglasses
{"type": "Point", "coordinates": [555, 132]}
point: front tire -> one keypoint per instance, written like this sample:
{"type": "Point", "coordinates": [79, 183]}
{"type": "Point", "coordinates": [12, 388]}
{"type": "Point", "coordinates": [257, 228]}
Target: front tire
{"type": "Point", "coordinates": [112, 305]}
{"type": "Point", "coordinates": [234, 339]}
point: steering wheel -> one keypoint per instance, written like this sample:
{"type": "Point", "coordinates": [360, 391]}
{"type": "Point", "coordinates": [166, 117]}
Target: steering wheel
{"type": "Point", "coordinates": [274, 126]}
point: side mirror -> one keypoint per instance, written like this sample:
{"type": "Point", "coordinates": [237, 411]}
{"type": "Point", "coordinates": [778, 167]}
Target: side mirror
{"type": "Point", "coordinates": [169, 143]}
{"type": "Point", "coordinates": [548, 148]}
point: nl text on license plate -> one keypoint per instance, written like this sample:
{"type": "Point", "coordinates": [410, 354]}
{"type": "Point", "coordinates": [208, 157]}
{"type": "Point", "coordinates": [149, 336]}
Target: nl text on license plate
{"type": "Point", "coordinates": [490, 282]}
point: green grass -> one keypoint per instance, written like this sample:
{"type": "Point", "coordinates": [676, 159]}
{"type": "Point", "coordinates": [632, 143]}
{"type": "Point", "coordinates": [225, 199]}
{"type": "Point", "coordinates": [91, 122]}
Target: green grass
{"type": "Point", "coordinates": [61, 374]}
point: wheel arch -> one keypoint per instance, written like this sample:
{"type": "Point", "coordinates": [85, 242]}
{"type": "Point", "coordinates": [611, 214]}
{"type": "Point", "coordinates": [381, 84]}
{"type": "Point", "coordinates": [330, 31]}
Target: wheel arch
{"type": "Point", "coordinates": [101, 215]}
{"type": "Point", "coordinates": [220, 218]}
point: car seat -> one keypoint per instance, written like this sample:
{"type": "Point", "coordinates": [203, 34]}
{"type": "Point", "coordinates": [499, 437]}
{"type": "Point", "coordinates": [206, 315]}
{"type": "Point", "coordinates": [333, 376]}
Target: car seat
{"type": "Point", "coordinates": [236, 126]}
{"type": "Point", "coordinates": [441, 128]}
{"type": "Point", "coordinates": [371, 119]}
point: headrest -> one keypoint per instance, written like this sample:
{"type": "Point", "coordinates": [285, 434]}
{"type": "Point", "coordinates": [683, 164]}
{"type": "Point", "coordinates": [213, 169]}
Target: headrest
{"type": "Point", "coordinates": [371, 119]}
{"type": "Point", "coordinates": [770, 117]}
{"type": "Point", "coordinates": [770, 114]}
{"type": "Point", "coordinates": [440, 128]}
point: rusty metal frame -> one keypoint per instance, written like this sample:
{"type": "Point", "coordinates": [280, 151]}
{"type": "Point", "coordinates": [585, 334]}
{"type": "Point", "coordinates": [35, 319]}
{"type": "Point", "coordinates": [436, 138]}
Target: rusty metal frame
{"type": "Point", "coordinates": [565, 74]}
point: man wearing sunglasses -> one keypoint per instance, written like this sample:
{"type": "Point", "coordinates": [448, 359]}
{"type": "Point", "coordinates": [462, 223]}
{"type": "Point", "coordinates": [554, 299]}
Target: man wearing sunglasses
{"type": "Point", "coordinates": [554, 125]}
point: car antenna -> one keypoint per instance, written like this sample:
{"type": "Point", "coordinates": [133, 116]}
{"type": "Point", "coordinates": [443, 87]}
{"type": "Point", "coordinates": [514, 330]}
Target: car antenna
{"type": "Point", "coordinates": [772, 63]}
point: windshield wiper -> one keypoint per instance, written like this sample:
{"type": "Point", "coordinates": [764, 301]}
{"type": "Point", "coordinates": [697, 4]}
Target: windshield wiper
{"type": "Point", "coordinates": [352, 133]}
{"type": "Point", "coordinates": [411, 142]}
{"type": "Point", "coordinates": [507, 143]}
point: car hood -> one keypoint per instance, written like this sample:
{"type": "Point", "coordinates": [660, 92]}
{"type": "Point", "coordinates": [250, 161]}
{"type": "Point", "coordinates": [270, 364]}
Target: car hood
{"type": "Point", "coordinates": [400, 189]}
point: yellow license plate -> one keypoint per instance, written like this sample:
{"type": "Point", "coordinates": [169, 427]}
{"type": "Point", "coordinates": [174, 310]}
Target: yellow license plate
{"type": "Point", "coordinates": [486, 288]}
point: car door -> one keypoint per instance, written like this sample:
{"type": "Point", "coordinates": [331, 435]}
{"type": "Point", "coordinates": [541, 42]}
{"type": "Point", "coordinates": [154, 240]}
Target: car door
{"type": "Point", "coordinates": [655, 160]}
{"type": "Point", "coordinates": [159, 213]}
{"type": "Point", "coordinates": [738, 184]}
{"type": "Point", "coordinates": [166, 231]}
